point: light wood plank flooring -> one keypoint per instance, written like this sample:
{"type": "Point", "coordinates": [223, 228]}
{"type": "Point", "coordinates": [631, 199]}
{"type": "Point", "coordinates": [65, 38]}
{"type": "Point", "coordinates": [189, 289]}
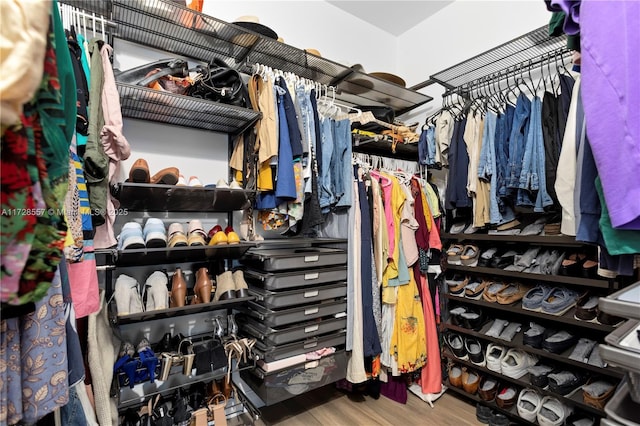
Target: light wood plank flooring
{"type": "Point", "coordinates": [329, 406]}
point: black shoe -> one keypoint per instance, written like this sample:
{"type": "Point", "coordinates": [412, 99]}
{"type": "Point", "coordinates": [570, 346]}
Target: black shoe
{"type": "Point", "coordinates": [483, 413]}
{"type": "Point", "coordinates": [499, 419]}
{"type": "Point", "coordinates": [534, 335]}
{"type": "Point", "coordinates": [475, 350]}
{"type": "Point", "coordinates": [474, 318]}
{"type": "Point", "coordinates": [565, 382]}
{"type": "Point", "coordinates": [559, 341]}
{"type": "Point", "coordinates": [456, 344]}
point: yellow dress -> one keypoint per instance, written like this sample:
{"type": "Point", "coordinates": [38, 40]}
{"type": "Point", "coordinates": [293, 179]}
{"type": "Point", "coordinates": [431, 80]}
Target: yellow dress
{"type": "Point", "coordinates": [409, 340]}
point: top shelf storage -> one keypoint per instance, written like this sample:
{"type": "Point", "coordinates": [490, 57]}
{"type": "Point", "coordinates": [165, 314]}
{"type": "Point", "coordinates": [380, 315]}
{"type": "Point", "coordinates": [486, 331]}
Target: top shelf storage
{"type": "Point", "coordinates": [530, 46]}
{"type": "Point", "coordinates": [171, 27]}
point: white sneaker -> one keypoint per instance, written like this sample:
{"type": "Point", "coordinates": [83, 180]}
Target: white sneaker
{"type": "Point", "coordinates": [516, 363]}
{"type": "Point", "coordinates": [495, 354]}
{"type": "Point", "coordinates": [235, 185]}
{"type": "Point", "coordinates": [529, 404]}
{"type": "Point", "coordinates": [221, 183]}
{"type": "Point", "coordinates": [552, 412]}
{"type": "Point", "coordinates": [131, 236]}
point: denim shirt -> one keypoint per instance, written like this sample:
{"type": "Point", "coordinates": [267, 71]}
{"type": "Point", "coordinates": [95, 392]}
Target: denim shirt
{"type": "Point", "coordinates": [519, 133]}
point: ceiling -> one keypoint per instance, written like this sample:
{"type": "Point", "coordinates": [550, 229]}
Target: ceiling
{"type": "Point", "coordinates": [394, 17]}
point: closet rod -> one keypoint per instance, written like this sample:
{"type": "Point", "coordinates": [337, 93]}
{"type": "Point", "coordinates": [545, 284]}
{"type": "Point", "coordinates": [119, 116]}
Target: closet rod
{"type": "Point", "coordinates": [525, 67]}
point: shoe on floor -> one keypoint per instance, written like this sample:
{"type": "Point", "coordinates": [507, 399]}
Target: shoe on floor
{"type": "Point", "coordinates": [483, 413]}
{"type": "Point", "coordinates": [155, 235]}
{"type": "Point", "coordinates": [516, 363]}
{"type": "Point", "coordinates": [499, 419]}
{"type": "Point", "coordinates": [552, 412]}
{"type": "Point", "coordinates": [529, 404]}
{"type": "Point", "coordinates": [131, 236]}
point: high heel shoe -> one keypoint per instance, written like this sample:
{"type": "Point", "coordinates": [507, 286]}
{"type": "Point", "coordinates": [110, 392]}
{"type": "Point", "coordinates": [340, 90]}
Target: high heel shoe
{"type": "Point", "coordinates": [178, 289]}
{"type": "Point", "coordinates": [148, 359]}
{"type": "Point", "coordinates": [126, 363]}
{"type": "Point", "coordinates": [202, 289]}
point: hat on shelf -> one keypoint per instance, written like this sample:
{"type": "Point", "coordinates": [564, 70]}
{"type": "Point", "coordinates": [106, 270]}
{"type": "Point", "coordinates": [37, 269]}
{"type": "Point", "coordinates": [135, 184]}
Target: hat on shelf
{"type": "Point", "coordinates": [252, 23]}
{"type": "Point", "coordinates": [313, 52]}
{"type": "Point", "coordinates": [392, 78]}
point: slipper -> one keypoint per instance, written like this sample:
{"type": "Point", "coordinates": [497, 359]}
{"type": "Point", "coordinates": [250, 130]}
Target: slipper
{"type": "Point", "coordinates": [168, 176]}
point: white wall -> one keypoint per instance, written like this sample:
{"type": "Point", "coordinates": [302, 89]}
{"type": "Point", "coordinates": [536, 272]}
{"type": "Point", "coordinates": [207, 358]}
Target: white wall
{"type": "Point", "coordinates": [458, 32]}
{"type": "Point", "coordinates": [338, 35]}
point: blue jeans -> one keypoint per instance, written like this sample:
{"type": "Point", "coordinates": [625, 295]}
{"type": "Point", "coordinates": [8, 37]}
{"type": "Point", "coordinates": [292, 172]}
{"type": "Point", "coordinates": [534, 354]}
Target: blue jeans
{"type": "Point", "coordinates": [503, 132]}
{"type": "Point", "coordinates": [517, 140]}
{"type": "Point", "coordinates": [73, 414]}
{"type": "Point", "coordinates": [325, 184]}
{"type": "Point", "coordinates": [285, 181]}
{"type": "Point", "coordinates": [343, 169]}
{"type": "Point", "coordinates": [487, 170]}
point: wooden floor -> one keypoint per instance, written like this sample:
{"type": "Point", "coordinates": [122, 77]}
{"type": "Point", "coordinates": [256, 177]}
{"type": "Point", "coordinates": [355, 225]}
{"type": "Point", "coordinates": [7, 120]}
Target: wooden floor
{"type": "Point", "coordinates": [329, 406]}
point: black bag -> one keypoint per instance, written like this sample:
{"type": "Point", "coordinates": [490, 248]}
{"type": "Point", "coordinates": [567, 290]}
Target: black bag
{"type": "Point", "coordinates": [220, 83]}
{"type": "Point", "coordinates": [382, 113]}
{"type": "Point", "coordinates": [171, 74]}
{"type": "Point", "coordinates": [210, 356]}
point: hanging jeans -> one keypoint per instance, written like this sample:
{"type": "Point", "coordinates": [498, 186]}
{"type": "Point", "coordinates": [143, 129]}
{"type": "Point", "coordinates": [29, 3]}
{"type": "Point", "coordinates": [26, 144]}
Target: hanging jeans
{"type": "Point", "coordinates": [326, 186]}
{"type": "Point", "coordinates": [341, 173]}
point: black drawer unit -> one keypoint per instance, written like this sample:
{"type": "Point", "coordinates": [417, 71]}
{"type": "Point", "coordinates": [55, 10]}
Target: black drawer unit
{"type": "Point", "coordinates": [300, 307]}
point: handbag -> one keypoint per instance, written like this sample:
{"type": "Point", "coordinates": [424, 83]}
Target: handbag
{"type": "Point", "coordinates": [168, 75]}
{"type": "Point", "coordinates": [220, 83]}
{"type": "Point", "coordinates": [209, 356]}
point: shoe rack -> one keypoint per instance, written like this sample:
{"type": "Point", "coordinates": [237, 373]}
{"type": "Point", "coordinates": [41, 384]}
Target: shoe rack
{"type": "Point", "coordinates": [514, 312]}
{"type": "Point", "coordinates": [623, 349]}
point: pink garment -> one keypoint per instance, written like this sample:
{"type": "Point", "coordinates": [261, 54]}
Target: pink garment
{"type": "Point", "coordinates": [387, 187]}
{"type": "Point", "coordinates": [114, 143]}
{"type": "Point", "coordinates": [434, 235]}
{"type": "Point", "coordinates": [431, 374]}
{"type": "Point", "coordinates": [83, 280]}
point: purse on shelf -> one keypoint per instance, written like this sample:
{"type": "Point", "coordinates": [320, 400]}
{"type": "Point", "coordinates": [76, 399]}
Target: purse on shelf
{"type": "Point", "coordinates": [214, 82]}
{"type": "Point", "coordinates": [209, 356]}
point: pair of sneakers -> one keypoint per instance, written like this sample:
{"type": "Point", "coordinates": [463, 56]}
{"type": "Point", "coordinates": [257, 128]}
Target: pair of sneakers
{"type": "Point", "coordinates": [133, 236]}
{"type": "Point", "coordinates": [132, 298]}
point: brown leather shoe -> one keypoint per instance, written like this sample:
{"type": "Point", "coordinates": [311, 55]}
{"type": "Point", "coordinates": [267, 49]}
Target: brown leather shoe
{"type": "Point", "coordinates": [470, 380]}
{"type": "Point", "coordinates": [455, 375]}
{"type": "Point", "coordinates": [488, 388]}
{"type": "Point", "coordinates": [507, 397]}
{"type": "Point", "coordinates": [168, 176]}
{"type": "Point", "coordinates": [178, 289]}
{"type": "Point", "coordinates": [139, 172]}
{"type": "Point", "coordinates": [202, 289]}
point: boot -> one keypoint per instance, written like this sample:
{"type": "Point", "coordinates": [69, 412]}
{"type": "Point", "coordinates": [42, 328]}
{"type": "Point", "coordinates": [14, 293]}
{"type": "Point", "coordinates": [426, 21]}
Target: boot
{"type": "Point", "coordinates": [242, 290]}
{"type": "Point", "coordinates": [128, 300]}
{"type": "Point", "coordinates": [226, 288]}
{"type": "Point", "coordinates": [157, 293]}
{"type": "Point", "coordinates": [178, 290]}
{"type": "Point", "coordinates": [202, 289]}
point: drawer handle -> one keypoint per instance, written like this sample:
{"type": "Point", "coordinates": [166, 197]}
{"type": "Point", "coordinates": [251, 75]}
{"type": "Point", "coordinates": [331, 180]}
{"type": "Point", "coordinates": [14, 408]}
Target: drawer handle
{"type": "Point", "coordinates": [310, 345]}
{"type": "Point", "coordinates": [312, 293]}
{"type": "Point", "coordinates": [312, 364]}
{"type": "Point", "coordinates": [311, 311]}
{"type": "Point", "coordinates": [311, 276]}
{"type": "Point", "coordinates": [313, 258]}
{"type": "Point", "coordinates": [311, 328]}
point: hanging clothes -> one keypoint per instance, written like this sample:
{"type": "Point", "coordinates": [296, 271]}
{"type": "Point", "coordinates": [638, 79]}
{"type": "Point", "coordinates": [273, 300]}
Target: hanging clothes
{"type": "Point", "coordinates": [456, 195]}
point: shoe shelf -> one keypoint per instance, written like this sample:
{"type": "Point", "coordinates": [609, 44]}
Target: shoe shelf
{"type": "Point", "coordinates": [511, 412]}
{"type": "Point", "coordinates": [552, 240]}
{"type": "Point", "coordinates": [518, 343]}
{"type": "Point", "coordinates": [566, 318]}
{"type": "Point", "coordinates": [141, 392]}
{"type": "Point", "coordinates": [159, 314]}
{"type": "Point", "coordinates": [558, 279]}
{"type": "Point", "coordinates": [186, 111]}
{"type": "Point", "coordinates": [172, 198]}
{"type": "Point", "coordinates": [153, 256]}
{"type": "Point", "coordinates": [168, 26]}
{"type": "Point", "coordinates": [573, 399]}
